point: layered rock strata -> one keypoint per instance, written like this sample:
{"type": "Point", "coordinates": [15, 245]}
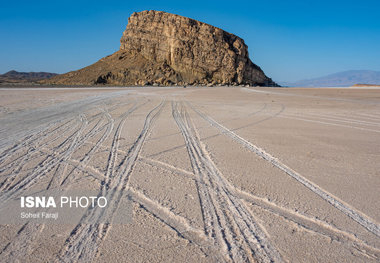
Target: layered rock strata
{"type": "Point", "coordinates": [159, 48]}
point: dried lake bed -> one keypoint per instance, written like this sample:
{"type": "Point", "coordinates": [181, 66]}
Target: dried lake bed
{"type": "Point", "coordinates": [235, 174]}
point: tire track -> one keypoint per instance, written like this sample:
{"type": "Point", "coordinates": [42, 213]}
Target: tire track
{"type": "Point", "coordinates": [61, 178]}
{"type": "Point", "coordinates": [263, 120]}
{"type": "Point", "coordinates": [310, 96]}
{"type": "Point", "coordinates": [20, 162]}
{"type": "Point", "coordinates": [24, 123]}
{"type": "Point", "coordinates": [227, 221]}
{"type": "Point", "coordinates": [368, 116]}
{"type": "Point", "coordinates": [177, 223]}
{"type": "Point", "coordinates": [350, 118]}
{"type": "Point", "coordinates": [329, 123]}
{"type": "Point", "coordinates": [14, 251]}
{"type": "Point", "coordinates": [166, 166]}
{"type": "Point", "coordinates": [63, 152]}
{"type": "Point", "coordinates": [279, 112]}
{"type": "Point", "coordinates": [30, 140]}
{"type": "Point", "coordinates": [84, 241]}
{"type": "Point", "coordinates": [354, 214]}
{"type": "Point", "coordinates": [30, 231]}
{"type": "Point", "coordinates": [58, 152]}
{"type": "Point", "coordinates": [312, 225]}
{"type": "Point", "coordinates": [338, 119]}
{"type": "Point", "coordinates": [258, 111]}
{"type": "Point", "coordinates": [60, 173]}
{"type": "Point", "coordinates": [86, 159]}
{"type": "Point", "coordinates": [14, 167]}
{"type": "Point", "coordinates": [229, 120]}
{"type": "Point", "coordinates": [42, 168]}
{"type": "Point", "coordinates": [302, 221]}
{"type": "Point", "coordinates": [38, 138]}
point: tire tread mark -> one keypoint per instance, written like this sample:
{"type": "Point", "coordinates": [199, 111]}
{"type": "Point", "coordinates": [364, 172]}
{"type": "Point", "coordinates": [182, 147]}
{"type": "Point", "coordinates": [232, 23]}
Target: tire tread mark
{"type": "Point", "coordinates": [355, 215]}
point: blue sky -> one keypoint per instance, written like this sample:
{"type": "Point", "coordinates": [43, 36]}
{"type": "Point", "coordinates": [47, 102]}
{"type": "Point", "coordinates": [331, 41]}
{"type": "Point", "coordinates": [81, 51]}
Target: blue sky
{"type": "Point", "coordinates": [289, 40]}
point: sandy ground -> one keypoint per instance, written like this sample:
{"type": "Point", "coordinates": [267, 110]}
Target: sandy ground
{"type": "Point", "coordinates": [212, 174]}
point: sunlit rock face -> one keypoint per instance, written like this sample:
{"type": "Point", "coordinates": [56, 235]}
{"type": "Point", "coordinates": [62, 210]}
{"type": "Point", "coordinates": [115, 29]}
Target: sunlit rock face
{"type": "Point", "coordinates": [166, 49]}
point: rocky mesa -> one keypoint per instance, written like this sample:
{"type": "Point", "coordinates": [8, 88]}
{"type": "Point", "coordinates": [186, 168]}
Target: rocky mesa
{"type": "Point", "coordinates": [159, 48]}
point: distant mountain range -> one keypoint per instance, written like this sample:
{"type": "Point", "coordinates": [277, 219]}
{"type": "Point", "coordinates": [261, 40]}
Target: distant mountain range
{"type": "Point", "coordinates": [15, 77]}
{"type": "Point", "coordinates": [340, 79]}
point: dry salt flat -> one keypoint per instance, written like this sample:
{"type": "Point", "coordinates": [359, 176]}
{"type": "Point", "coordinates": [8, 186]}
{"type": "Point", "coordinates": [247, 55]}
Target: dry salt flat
{"type": "Point", "coordinates": [216, 174]}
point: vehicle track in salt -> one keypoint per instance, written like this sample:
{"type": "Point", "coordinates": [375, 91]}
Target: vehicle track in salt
{"type": "Point", "coordinates": [297, 117]}
{"type": "Point", "coordinates": [278, 113]}
{"type": "Point", "coordinates": [43, 167]}
{"type": "Point", "coordinates": [349, 119]}
{"type": "Point", "coordinates": [368, 116]}
{"type": "Point", "coordinates": [24, 124]}
{"type": "Point", "coordinates": [271, 116]}
{"type": "Point", "coordinates": [59, 169]}
{"type": "Point", "coordinates": [288, 94]}
{"type": "Point", "coordinates": [59, 178]}
{"type": "Point", "coordinates": [30, 139]}
{"type": "Point", "coordinates": [84, 241]}
{"type": "Point", "coordinates": [227, 220]}
{"type": "Point", "coordinates": [30, 142]}
{"type": "Point", "coordinates": [178, 224]}
{"type": "Point", "coordinates": [45, 132]}
{"type": "Point", "coordinates": [110, 126]}
{"type": "Point", "coordinates": [29, 231]}
{"type": "Point", "coordinates": [12, 169]}
{"type": "Point", "coordinates": [94, 146]}
{"type": "Point", "coordinates": [359, 217]}
{"type": "Point", "coordinates": [263, 108]}
{"type": "Point", "coordinates": [33, 142]}
{"type": "Point", "coordinates": [349, 122]}
{"type": "Point", "coordinates": [63, 153]}
{"type": "Point", "coordinates": [310, 224]}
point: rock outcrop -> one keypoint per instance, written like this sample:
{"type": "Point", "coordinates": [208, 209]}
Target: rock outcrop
{"type": "Point", "coordinates": [166, 49]}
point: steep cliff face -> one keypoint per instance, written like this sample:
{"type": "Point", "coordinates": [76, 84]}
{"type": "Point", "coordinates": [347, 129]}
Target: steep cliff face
{"type": "Point", "coordinates": [163, 48]}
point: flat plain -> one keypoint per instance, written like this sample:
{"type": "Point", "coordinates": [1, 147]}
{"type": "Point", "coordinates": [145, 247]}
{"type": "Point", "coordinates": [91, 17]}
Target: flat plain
{"type": "Point", "coordinates": [216, 174]}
